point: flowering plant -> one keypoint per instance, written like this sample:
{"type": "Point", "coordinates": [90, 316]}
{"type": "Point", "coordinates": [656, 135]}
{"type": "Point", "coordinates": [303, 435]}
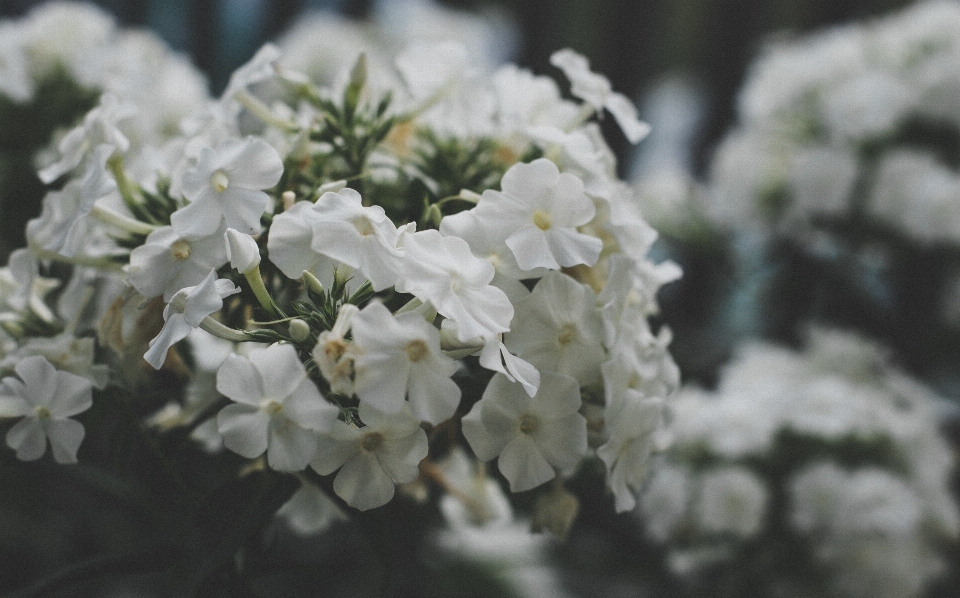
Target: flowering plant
{"type": "Point", "coordinates": [818, 473]}
{"type": "Point", "coordinates": [343, 284]}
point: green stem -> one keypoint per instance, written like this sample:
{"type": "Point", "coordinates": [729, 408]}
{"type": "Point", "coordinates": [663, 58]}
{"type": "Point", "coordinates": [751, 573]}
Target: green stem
{"type": "Point", "coordinates": [263, 296]}
{"type": "Point", "coordinates": [122, 222]}
{"type": "Point", "coordinates": [129, 190]}
{"type": "Point", "coordinates": [262, 111]}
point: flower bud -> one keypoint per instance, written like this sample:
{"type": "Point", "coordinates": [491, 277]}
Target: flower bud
{"type": "Point", "coordinates": [556, 510]}
{"type": "Point", "coordinates": [310, 281]}
{"type": "Point", "coordinates": [299, 330]}
{"type": "Point", "coordinates": [331, 187]}
{"type": "Point", "coordinates": [242, 251]}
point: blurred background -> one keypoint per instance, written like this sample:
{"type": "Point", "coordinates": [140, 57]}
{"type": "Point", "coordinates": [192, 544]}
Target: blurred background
{"type": "Point", "coordinates": [698, 71]}
{"type": "Point", "coordinates": [635, 43]}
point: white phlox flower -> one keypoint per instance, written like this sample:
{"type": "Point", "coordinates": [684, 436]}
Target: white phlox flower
{"type": "Point", "coordinates": [732, 500]}
{"type": "Point", "coordinates": [558, 329]}
{"type": "Point", "coordinates": [186, 310]}
{"type": "Point", "coordinates": [243, 253]}
{"type": "Point", "coordinates": [532, 436]}
{"type": "Point", "coordinates": [310, 511]}
{"type": "Point", "coordinates": [525, 99]}
{"type": "Point", "coordinates": [279, 409]}
{"type": "Point", "coordinates": [22, 287]}
{"type": "Point", "coordinates": [15, 80]}
{"type": "Point", "coordinates": [361, 237]}
{"type": "Point", "coordinates": [99, 128]}
{"type": "Point", "coordinates": [45, 398]}
{"type": "Point", "coordinates": [540, 209]}
{"type": "Point", "coordinates": [290, 244]}
{"type": "Point", "coordinates": [260, 68]}
{"type": "Point", "coordinates": [371, 459]}
{"type": "Point", "coordinates": [488, 242]}
{"type": "Point", "coordinates": [226, 185]}
{"type": "Point", "coordinates": [629, 295]}
{"type": "Point", "coordinates": [65, 352]}
{"type": "Point", "coordinates": [168, 262]}
{"type": "Point", "coordinates": [640, 364]}
{"type": "Point", "coordinates": [595, 89]}
{"type": "Point", "coordinates": [443, 272]}
{"type": "Point", "coordinates": [399, 356]}
{"type": "Point", "coordinates": [633, 438]}
{"type": "Point", "coordinates": [496, 357]}
{"type": "Point", "coordinates": [334, 355]}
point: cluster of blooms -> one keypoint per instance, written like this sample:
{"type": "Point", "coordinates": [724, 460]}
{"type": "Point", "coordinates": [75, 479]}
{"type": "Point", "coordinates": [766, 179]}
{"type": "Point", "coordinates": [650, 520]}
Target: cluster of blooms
{"type": "Point", "coordinates": [323, 45]}
{"type": "Point", "coordinates": [388, 230]}
{"type": "Point", "coordinates": [83, 43]}
{"type": "Point", "coordinates": [823, 465]}
{"type": "Point", "coordinates": [856, 121]}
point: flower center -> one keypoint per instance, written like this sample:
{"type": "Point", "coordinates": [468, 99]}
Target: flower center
{"type": "Point", "coordinates": [416, 350]}
{"type": "Point", "coordinates": [528, 423]}
{"type": "Point", "coordinates": [566, 334]}
{"type": "Point", "coordinates": [541, 219]}
{"type": "Point", "coordinates": [371, 441]}
{"type": "Point", "coordinates": [219, 181]}
{"type": "Point", "coordinates": [363, 226]}
{"type": "Point", "coordinates": [334, 349]}
{"type": "Point", "coordinates": [271, 407]}
{"type": "Point", "coordinates": [456, 282]}
{"type": "Point", "coordinates": [42, 412]}
{"type": "Point", "coordinates": [180, 250]}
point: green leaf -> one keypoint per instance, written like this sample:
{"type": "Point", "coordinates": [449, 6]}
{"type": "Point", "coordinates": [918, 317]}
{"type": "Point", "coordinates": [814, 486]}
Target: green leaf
{"type": "Point", "coordinates": [235, 514]}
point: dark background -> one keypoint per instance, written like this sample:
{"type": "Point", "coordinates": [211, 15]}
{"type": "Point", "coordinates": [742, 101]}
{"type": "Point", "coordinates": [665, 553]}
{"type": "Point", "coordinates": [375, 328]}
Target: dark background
{"type": "Point", "coordinates": [633, 42]}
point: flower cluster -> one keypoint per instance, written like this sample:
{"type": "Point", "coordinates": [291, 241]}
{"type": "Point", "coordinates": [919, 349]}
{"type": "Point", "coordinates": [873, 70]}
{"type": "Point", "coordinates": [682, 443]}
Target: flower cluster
{"type": "Point", "coordinates": [437, 251]}
{"type": "Point", "coordinates": [853, 121]}
{"type": "Point", "coordinates": [820, 467]}
{"type": "Point", "coordinates": [82, 43]}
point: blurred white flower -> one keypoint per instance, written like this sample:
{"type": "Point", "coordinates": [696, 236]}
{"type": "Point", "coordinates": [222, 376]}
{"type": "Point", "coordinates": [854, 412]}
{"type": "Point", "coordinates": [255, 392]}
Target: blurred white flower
{"type": "Point", "coordinates": [45, 398]}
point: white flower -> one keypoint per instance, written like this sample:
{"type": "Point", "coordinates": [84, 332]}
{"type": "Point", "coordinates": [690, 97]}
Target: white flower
{"type": "Point", "coordinates": [310, 511]}
{"type": "Point", "coordinates": [168, 262]}
{"type": "Point", "coordinates": [442, 271]}
{"type": "Point", "coordinates": [595, 89]}
{"type": "Point", "coordinates": [45, 398]}
{"type": "Point", "coordinates": [185, 311]}
{"type": "Point", "coordinates": [67, 353]}
{"type": "Point", "coordinates": [387, 450]}
{"type": "Point", "coordinates": [664, 501]}
{"type": "Point", "coordinates": [732, 500]}
{"type": "Point", "coordinates": [15, 80]}
{"type": "Point", "coordinates": [334, 355]}
{"type": "Point", "coordinates": [280, 410]}
{"type": "Point", "coordinates": [539, 210]}
{"type": "Point", "coordinates": [532, 436]}
{"type": "Point", "coordinates": [399, 356]}
{"type": "Point", "coordinates": [99, 128]}
{"type": "Point", "coordinates": [226, 184]}
{"type": "Point", "coordinates": [242, 251]}
{"type": "Point", "coordinates": [488, 242]}
{"type": "Point", "coordinates": [361, 237]}
{"type": "Point", "coordinates": [632, 440]}
{"type": "Point", "coordinates": [22, 287]}
{"type": "Point", "coordinates": [290, 244]}
{"type": "Point", "coordinates": [558, 329]}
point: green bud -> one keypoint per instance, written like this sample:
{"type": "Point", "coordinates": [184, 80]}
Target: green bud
{"type": "Point", "coordinates": [299, 330]}
{"type": "Point", "coordinates": [313, 285]}
{"type": "Point", "coordinates": [556, 510]}
{"type": "Point", "coordinates": [432, 215]}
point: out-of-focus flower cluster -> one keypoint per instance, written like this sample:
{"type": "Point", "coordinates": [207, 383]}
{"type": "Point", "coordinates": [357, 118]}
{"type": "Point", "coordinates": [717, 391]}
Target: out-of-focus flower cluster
{"type": "Point", "coordinates": [421, 255]}
{"type": "Point", "coordinates": [822, 467]}
{"type": "Point", "coordinates": [856, 121]}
